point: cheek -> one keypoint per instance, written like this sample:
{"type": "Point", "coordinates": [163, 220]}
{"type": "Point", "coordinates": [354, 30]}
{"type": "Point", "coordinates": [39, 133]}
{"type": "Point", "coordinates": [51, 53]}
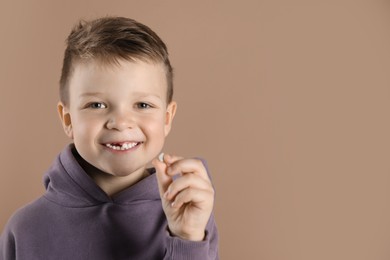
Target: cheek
{"type": "Point", "coordinates": [154, 126]}
{"type": "Point", "coordinates": [85, 127]}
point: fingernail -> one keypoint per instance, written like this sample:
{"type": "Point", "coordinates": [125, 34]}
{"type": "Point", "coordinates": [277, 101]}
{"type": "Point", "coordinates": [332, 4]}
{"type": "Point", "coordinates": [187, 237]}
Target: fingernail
{"type": "Point", "coordinates": [173, 204]}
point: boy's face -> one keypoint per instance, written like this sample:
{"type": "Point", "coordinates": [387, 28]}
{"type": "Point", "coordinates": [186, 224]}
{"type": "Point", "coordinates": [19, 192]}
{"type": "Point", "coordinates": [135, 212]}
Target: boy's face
{"type": "Point", "coordinates": [118, 116]}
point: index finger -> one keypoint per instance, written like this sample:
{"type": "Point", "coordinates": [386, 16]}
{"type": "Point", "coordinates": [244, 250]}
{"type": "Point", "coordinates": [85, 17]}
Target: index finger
{"type": "Point", "coordinates": [185, 166]}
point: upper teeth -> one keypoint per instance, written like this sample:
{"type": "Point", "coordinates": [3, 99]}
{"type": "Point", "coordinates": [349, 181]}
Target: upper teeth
{"type": "Point", "coordinates": [122, 147]}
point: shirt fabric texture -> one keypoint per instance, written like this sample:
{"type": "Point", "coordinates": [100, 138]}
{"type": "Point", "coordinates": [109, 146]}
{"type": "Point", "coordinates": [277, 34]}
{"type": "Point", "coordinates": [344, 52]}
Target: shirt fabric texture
{"type": "Point", "coordinates": [76, 219]}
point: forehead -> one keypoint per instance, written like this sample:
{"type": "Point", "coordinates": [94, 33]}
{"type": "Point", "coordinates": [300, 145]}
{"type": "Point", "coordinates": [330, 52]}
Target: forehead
{"type": "Point", "coordinates": [94, 75]}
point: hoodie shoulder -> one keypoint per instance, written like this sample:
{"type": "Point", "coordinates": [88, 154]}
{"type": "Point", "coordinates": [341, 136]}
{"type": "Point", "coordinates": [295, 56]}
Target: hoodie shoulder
{"type": "Point", "coordinates": [27, 226]}
{"type": "Point", "coordinates": [27, 216]}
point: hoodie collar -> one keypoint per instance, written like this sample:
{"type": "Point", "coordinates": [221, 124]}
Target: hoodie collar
{"type": "Point", "coordinates": [69, 185]}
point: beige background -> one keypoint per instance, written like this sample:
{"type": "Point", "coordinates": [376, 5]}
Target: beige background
{"type": "Point", "coordinates": [288, 101]}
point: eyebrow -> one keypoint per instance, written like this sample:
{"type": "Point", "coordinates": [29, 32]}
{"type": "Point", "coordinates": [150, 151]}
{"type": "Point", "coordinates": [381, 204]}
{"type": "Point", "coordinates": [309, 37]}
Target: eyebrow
{"type": "Point", "coordinates": [91, 94]}
{"type": "Point", "coordinates": [140, 94]}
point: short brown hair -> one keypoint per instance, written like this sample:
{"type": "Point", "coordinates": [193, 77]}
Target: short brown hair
{"type": "Point", "coordinates": [109, 40]}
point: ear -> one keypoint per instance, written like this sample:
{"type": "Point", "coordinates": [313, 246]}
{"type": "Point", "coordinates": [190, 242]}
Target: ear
{"type": "Point", "coordinates": [66, 121]}
{"type": "Point", "coordinates": [169, 115]}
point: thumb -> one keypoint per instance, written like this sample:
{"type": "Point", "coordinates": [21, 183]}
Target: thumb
{"type": "Point", "coordinates": [163, 179]}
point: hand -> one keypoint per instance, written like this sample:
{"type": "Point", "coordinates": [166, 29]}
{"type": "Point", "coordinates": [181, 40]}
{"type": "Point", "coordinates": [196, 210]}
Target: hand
{"type": "Point", "coordinates": [187, 200]}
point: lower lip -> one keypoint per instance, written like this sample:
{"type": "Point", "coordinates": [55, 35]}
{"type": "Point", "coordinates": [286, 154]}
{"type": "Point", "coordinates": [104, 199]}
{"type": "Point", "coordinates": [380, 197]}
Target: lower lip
{"type": "Point", "coordinates": [122, 151]}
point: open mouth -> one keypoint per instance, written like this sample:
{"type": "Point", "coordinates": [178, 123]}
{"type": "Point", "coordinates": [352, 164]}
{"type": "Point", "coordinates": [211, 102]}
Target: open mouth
{"type": "Point", "coordinates": [122, 146]}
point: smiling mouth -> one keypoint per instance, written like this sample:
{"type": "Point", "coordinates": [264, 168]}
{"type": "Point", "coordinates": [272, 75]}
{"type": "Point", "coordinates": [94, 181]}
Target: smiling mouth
{"type": "Point", "coordinates": [122, 146]}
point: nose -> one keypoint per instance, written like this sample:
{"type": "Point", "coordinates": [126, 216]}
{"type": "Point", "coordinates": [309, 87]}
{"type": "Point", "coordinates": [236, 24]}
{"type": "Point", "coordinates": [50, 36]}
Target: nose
{"type": "Point", "coordinates": [120, 120]}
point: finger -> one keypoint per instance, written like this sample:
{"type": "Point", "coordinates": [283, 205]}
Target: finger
{"type": "Point", "coordinates": [199, 198]}
{"type": "Point", "coordinates": [170, 159]}
{"type": "Point", "coordinates": [194, 166]}
{"type": "Point", "coordinates": [184, 182]}
{"type": "Point", "coordinates": [163, 179]}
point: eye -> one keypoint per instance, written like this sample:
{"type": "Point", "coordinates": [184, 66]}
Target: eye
{"type": "Point", "coordinates": [143, 105]}
{"type": "Point", "coordinates": [96, 105]}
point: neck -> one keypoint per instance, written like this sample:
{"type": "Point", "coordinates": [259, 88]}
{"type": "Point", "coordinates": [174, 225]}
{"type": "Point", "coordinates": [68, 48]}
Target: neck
{"type": "Point", "coordinates": [109, 183]}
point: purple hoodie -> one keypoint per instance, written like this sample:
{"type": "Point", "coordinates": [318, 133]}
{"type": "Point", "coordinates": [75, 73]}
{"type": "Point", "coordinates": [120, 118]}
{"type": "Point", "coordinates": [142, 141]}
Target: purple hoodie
{"type": "Point", "coordinates": [75, 219]}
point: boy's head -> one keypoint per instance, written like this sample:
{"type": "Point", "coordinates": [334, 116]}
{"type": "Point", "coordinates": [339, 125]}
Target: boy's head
{"type": "Point", "coordinates": [109, 40]}
{"type": "Point", "coordinates": [116, 94]}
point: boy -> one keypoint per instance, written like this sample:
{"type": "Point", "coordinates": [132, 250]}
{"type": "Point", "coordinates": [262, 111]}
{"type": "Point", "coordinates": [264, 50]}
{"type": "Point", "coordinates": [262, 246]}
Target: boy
{"type": "Point", "coordinates": [101, 200]}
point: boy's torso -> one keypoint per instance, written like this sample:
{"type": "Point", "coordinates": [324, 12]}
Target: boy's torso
{"type": "Point", "coordinates": [74, 219]}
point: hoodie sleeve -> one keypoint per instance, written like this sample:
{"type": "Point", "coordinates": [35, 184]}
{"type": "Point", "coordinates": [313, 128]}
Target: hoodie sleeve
{"type": "Point", "coordinates": [179, 249]}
